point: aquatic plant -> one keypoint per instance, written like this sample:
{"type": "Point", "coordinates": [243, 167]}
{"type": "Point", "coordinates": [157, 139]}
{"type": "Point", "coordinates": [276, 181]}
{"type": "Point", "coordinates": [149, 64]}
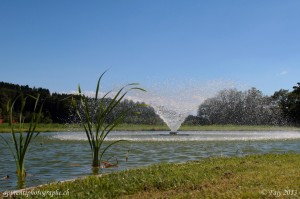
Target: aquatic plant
{"type": "Point", "coordinates": [96, 120]}
{"type": "Point", "coordinates": [21, 139]}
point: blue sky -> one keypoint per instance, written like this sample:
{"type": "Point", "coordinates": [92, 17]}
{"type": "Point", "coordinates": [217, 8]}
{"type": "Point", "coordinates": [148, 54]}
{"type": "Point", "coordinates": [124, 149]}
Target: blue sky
{"type": "Point", "coordinates": [57, 44]}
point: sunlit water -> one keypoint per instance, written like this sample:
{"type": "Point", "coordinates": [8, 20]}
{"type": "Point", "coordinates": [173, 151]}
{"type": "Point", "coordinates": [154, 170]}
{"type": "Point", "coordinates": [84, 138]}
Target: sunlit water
{"type": "Point", "coordinates": [61, 156]}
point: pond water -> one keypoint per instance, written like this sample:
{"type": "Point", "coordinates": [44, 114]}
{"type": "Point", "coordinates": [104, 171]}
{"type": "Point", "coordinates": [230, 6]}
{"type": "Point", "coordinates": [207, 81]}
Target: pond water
{"type": "Point", "coordinates": [60, 156]}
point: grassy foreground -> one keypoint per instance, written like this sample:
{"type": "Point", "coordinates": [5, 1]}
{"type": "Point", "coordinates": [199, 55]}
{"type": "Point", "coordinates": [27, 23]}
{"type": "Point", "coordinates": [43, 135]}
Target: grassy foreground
{"type": "Point", "coordinates": [255, 176]}
{"type": "Point", "coordinates": [4, 128]}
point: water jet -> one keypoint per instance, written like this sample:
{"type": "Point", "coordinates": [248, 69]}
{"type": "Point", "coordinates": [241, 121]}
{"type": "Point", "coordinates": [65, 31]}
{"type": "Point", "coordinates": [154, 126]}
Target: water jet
{"type": "Point", "coordinates": [174, 101]}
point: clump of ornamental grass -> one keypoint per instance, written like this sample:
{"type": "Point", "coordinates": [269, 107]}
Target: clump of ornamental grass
{"type": "Point", "coordinates": [21, 139]}
{"type": "Point", "coordinates": [96, 120]}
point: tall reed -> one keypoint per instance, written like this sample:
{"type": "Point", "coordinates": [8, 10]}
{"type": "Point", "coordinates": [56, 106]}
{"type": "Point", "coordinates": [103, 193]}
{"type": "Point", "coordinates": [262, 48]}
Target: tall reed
{"type": "Point", "coordinates": [21, 140]}
{"type": "Point", "coordinates": [95, 120]}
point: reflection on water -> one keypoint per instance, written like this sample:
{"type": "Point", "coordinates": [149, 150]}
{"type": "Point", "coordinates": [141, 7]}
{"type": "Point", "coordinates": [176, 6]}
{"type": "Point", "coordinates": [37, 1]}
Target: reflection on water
{"type": "Point", "coordinates": [60, 156]}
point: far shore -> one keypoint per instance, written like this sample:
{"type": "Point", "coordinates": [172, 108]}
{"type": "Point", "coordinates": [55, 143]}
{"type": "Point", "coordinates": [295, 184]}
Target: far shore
{"type": "Point", "coordinates": [4, 128]}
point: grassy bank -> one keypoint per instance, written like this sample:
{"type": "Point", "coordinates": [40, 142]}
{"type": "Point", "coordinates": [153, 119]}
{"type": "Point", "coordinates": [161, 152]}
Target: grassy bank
{"type": "Point", "coordinates": [256, 176]}
{"type": "Point", "coordinates": [136, 127]}
{"type": "Point", "coordinates": [4, 128]}
{"type": "Point", "coordinates": [239, 128]}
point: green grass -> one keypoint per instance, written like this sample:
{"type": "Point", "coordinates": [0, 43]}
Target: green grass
{"type": "Point", "coordinates": [4, 128]}
{"type": "Point", "coordinates": [255, 176]}
{"type": "Point", "coordinates": [231, 127]}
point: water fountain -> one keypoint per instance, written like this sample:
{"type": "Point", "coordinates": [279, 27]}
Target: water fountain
{"type": "Point", "coordinates": [173, 101]}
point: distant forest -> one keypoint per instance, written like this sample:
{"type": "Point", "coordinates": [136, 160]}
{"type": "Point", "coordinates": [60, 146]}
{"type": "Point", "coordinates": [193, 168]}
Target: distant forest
{"type": "Point", "coordinates": [229, 106]}
{"type": "Point", "coordinates": [58, 108]}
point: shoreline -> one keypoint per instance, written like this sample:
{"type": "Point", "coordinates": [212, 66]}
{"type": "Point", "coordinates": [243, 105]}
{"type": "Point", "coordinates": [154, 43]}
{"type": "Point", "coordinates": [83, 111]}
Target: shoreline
{"type": "Point", "coordinates": [4, 128]}
{"type": "Point", "coordinates": [225, 177]}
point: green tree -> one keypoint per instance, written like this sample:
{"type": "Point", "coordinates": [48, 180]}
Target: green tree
{"type": "Point", "coordinates": [294, 104]}
{"type": "Point", "coordinates": [231, 106]}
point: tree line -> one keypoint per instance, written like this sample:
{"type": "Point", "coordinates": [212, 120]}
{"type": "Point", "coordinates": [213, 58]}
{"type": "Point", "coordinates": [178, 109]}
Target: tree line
{"type": "Point", "coordinates": [250, 107]}
{"type": "Point", "coordinates": [229, 106]}
{"type": "Point", "coordinates": [57, 107]}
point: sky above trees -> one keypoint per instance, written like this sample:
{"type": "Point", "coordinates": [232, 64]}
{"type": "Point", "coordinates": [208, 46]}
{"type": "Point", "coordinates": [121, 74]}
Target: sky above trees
{"type": "Point", "coordinates": [59, 44]}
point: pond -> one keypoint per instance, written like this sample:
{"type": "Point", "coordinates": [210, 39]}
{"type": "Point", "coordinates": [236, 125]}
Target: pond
{"type": "Point", "coordinates": [60, 156]}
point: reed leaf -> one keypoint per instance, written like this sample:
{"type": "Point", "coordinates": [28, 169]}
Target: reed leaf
{"type": "Point", "coordinates": [9, 147]}
{"type": "Point", "coordinates": [95, 125]}
{"type": "Point", "coordinates": [22, 140]}
{"type": "Point", "coordinates": [110, 145]}
{"type": "Point", "coordinates": [98, 84]}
